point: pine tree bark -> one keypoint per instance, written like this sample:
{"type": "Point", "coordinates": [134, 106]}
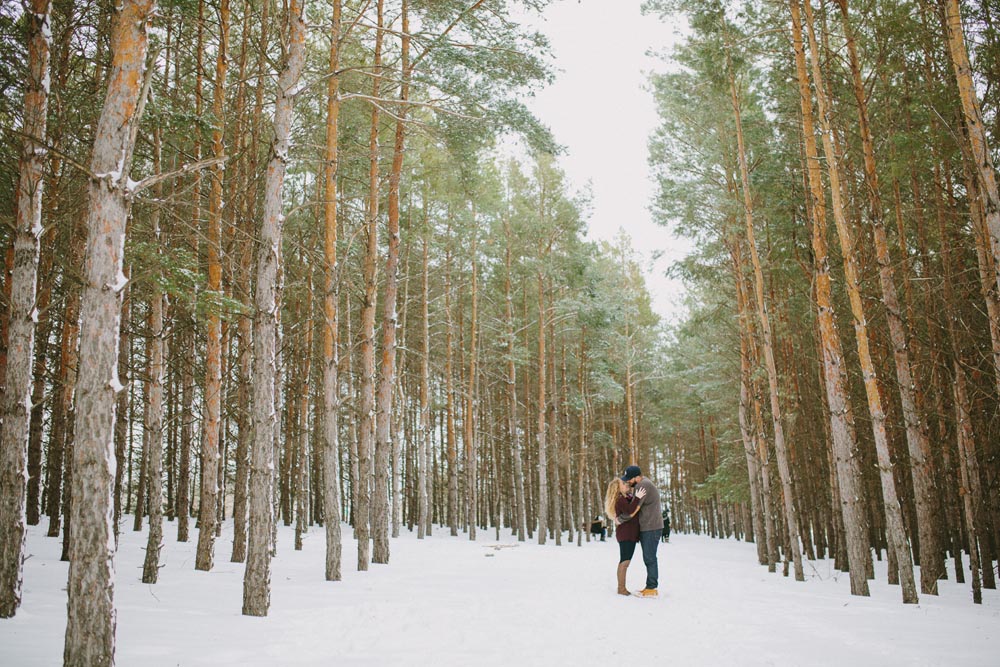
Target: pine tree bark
{"type": "Point", "coordinates": [90, 628]}
{"type": "Point", "coordinates": [390, 319]}
{"type": "Point", "coordinates": [893, 514]}
{"type": "Point", "coordinates": [469, 418]}
{"type": "Point", "coordinates": [978, 142]}
{"type": "Point", "coordinates": [154, 413]}
{"type": "Point", "coordinates": [749, 436]}
{"type": "Point", "coordinates": [451, 481]}
{"type": "Point", "coordinates": [366, 436]}
{"type": "Point", "coordinates": [190, 342]}
{"type": "Point", "coordinates": [969, 491]}
{"type": "Point", "coordinates": [968, 478]}
{"type": "Point", "coordinates": [302, 458]}
{"type": "Point", "coordinates": [424, 430]}
{"type": "Point", "coordinates": [245, 326]}
{"type": "Point", "coordinates": [511, 393]}
{"type": "Point", "coordinates": [60, 445]}
{"type": "Point", "coordinates": [184, 511]}
{"type": "Point", "coordinates": [154, 469]}
{"type": "Point", "coordinates": [331, 331]}
{"type": "Point", "coordinates": [257, 577]}
{"type": "Point", "coordinates": [15, 403]}
{"type": "Point", "coordinates": [39, 404]}
{"type": "Point", "coordinates": [543, 472]}
{"type": "Point", "coordinates": [784, 470]}
{"type": "Point", "coordinates": [208, 520]}
{"type": "Point", "coordinates": [841, 421]}
{"type": "Point", "coordinates": [918, 441]}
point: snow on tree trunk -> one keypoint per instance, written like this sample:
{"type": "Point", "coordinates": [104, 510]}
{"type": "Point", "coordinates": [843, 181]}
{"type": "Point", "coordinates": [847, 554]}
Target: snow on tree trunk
{"type": "Point", "coordinates": [15, 408]}
{"type": "Point", "coordinates": [257, 576]}
{"type": "Point", "coordinates": [90, 628]}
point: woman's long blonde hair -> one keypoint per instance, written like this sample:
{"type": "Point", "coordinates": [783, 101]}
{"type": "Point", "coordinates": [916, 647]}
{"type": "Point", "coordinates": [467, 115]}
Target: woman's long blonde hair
{"type": "Point", "coordinates": [611, 499]}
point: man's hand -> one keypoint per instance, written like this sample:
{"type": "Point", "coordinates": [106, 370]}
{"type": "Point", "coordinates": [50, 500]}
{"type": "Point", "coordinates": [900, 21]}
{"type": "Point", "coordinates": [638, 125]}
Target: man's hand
{"type": "Point", "coordinates": [641, 493]}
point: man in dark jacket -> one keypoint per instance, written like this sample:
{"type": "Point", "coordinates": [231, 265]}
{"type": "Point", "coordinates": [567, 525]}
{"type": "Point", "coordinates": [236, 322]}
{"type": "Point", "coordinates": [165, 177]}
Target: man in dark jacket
{"type": "Point", "coordinates": [650, 526]}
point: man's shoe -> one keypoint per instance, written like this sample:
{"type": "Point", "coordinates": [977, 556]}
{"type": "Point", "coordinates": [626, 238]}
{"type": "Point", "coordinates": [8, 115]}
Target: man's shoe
{"type": "Point", "coordinates": [647, 593]}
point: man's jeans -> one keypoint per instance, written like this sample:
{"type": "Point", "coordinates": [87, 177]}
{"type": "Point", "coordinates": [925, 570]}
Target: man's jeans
{"type": "Point", "coordinates": [650, 539]}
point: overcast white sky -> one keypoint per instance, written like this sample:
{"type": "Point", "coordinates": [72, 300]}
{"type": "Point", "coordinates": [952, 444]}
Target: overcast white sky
{"type": "Point", "coordinates": [599, 109]}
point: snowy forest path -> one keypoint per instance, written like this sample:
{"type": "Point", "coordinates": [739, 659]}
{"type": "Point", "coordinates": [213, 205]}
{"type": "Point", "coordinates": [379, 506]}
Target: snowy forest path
{"type": "Point", "coordinates": [466, 603]}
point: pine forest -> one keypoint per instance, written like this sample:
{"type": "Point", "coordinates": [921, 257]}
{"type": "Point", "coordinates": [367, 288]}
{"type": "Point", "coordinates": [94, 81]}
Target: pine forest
{"type": "Point", "coordinates": [287, 272]}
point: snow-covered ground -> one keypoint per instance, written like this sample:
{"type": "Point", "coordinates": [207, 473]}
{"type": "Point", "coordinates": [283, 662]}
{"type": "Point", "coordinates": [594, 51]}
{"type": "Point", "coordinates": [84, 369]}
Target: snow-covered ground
{"type": "Point", "coordinates": [449, 601]}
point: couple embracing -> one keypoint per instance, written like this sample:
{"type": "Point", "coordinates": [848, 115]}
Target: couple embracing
{"type": "Point", "coordinates": [633, 503]}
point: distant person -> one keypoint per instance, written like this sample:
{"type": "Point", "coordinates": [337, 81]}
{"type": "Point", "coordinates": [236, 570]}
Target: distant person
{"type": "Point", "coordinates": [621, 507]}
{"type": "Point", "coordinates": [597, 527]}
{"type": "Point", "coordinates": [666, 525]}
{"type": "Point", "coordinates": [650, 525]}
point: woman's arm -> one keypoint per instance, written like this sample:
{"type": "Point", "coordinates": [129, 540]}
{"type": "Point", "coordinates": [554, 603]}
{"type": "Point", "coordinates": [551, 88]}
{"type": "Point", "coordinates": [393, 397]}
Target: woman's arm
{"type": "Point", "coordinates": [627, 506]}
{"type": "Point", "coordinates": [639, 495]}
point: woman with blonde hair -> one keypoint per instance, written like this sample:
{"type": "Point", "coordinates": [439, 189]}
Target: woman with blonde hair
{"type": "Point", "coordinates": [621, 507]}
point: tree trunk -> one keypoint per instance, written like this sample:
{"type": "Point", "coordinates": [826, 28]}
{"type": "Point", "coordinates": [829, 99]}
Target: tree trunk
{"type": "Point", "coordinates": [155, 426]}
{"type": "Point", "coordinates": [60, 445]}
{"type": "Point", "coordinates": [90, 628]}
{"type": "Point", "coordinates": [978, 143]}
{"type": "Point", "coordinates": [424, 430]}
{"type": "Point", "coordinates": [208, 518]}
{"type": "Point", "coordinates": [841, 422]}
{"type": "Point", "coordinates": [918, 442]}
{"type": "Point", "coordinates": [366, 525]}
{"type": "Point", "coordinates": [893, 513]}
{"type": "Point", "coordinates": [969, 491]}
{"type": "Point", "coordinates": [15, 409]}
{"type": "Point", "coordinates": [966, 455]}
{"type": "Point", "coordinates": [154, 413]}
{"type": "Point", "coordinates": [543, 483]}
{"type": "Point", "coordinates": [186, 340]}
{"type": "Point", "coordinates": [257, 577]}
{"type": "Point", "coordinates": [469, 419]}
{"type": "Point", "coordinates": [452, 453]}
{"type": "Point", "coordinates": [390, 320]}
{"type": "Point", "coordinates": [331, 332]}
{"type": "Point", "coordinates": [302, 463]}
{"type": "Point", "coordinates": [761, 534]}
{"type": "Point", "coordinates": [784, 470]}
{"type": "Point", "coordinates": [511, 393]}
{"type": "Point", "coordinates": [38, 399]}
